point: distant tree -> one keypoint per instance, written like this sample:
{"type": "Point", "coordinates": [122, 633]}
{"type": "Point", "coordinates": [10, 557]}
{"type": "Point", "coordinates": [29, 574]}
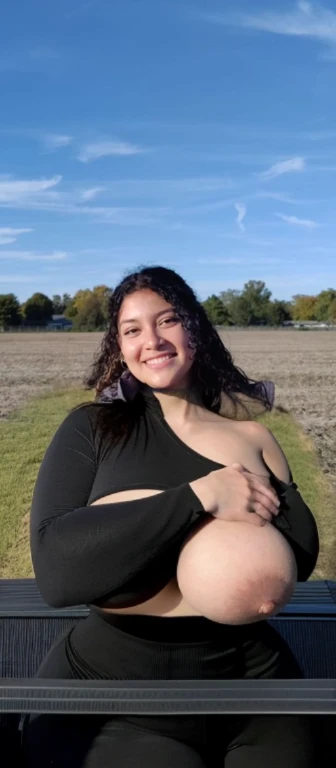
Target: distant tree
{"type": "Point", "coordinates": [58, 305]}
{"type": "Point", "coordinates": [332, 312]}
{"type": "Point", "coordinates": [249, 306]}
{"type": "Point", "coordinates": [38, 309]}
{"type": "Point", "coordinates": [228, 298]}
{"type": "Point", "coordinates": [257, 298]}
{"type": "Point", "coordinates": [323, 302]}
{"type": "Point", "coordinates": [66, 300]}
{"type": "Point", "coordinates": [79, 304]}
{"type": "Point", "coordinates": [304, 307]}
{"type": "Point", "coordinates": [89, 316]}
{"type": "Point", "coordinates": [70, 310]}
{"type": "Point", "coordinates": [216, 311]}
{"type": "Point", "coordinates": [103, 293]}
{"type": "Point", "coordinates": [278, 312]}
{"type": "Point", "coordinates": [10, 313]}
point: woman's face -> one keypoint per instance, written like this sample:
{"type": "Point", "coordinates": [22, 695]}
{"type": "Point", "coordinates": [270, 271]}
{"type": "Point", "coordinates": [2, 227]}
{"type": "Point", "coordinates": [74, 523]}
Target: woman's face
{"type": "Point", "coordinates": [153, 342]}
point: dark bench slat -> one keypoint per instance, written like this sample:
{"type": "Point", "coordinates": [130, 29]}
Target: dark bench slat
{"type": "Point", "coordinates": [19, 597]}
{"type": "Point", "coordinates": [169, 697]}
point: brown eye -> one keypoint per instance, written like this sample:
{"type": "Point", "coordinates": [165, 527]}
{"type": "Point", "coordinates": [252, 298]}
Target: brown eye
{"type": "Point", "coordinates": [168, 319]}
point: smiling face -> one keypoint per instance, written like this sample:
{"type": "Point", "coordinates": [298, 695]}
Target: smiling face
{"type": "Point", "coordinates": [153, 342]}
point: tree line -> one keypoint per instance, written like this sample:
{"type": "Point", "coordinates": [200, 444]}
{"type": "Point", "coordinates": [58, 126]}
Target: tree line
{"type": "Point", "coordinates": [87, 309]}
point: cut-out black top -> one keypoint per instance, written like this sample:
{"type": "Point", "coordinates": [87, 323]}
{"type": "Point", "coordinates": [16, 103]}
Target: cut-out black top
{"type": "Point", "coordinates": [124, 553]}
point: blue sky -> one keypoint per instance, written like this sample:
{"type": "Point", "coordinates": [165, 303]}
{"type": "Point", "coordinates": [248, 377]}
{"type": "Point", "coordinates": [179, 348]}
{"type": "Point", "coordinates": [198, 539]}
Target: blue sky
{"type": "Point", "coordinates": [197, 135]}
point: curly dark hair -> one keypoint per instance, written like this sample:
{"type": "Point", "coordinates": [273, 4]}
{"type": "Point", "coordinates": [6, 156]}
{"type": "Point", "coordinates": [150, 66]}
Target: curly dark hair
{"type": "Point", "coordinates": [213, 372]}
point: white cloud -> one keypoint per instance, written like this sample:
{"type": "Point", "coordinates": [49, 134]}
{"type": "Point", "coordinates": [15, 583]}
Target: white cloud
{"type": "Point", "coordinates": [306, 19]}
{"type": "Point", "coordinates": [285, 166]}
{"type": "Point", "coordinates": [307, 223]}
{"type": "Point", "coordinates": [11, 231]}
{"type": "Point", "coordinates": [123, 216]}
{"type": "Point", "coordinates": [90, 194]}
{"type": "Point", "coordinates": [22, 189]}
{"type": "Point", "coordinates": [241, 210]}
{"type": "Point", "coordinates": [99, 149]}
{"type": "Point", "coordinates": [55, 141]}
{"type": "Point", "coordinates": [32, 256]}
{"type": "Point", "coordinates": [8, 235]}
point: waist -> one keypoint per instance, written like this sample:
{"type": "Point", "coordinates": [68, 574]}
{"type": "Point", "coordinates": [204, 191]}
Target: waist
{"type": "Point", "coordinates": [174, 629]}
{"type": "Point", "coordinates": [130, 647]}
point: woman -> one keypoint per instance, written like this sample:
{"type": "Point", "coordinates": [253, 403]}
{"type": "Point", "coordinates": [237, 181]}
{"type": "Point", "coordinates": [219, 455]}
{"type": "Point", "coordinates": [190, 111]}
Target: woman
{"type": "Point", "coordinates": [122, 487]}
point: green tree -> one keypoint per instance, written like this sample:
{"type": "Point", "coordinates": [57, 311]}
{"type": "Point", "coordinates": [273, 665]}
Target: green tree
{"type": "Point", "coordinates": [249, 306]}
{"type": "Point", "coordinates": [256, 298]}
{"type": "Point", "coordinates": [103, 293]}
{"type": "Point", "coordinates": [89, 316]}
{"type": "Point", "coordinates": [278, 312]}
{"type": "Point", "coordinates": [323, 302]}
{"type": "Point", "coordinates": [38, 309]}
{"type": "Point", "coordinates": [332, 312]}
{"type": "Point", "coordinates": [217, 313]}
{"type": "Point", "coordinates": [10, 313]}
{"type": "Point", "coordinates": [304, 307]}
{"type": "Point", "coordinates": [79, 303]}
{"type": "Point", "coordinates": [58, 305]}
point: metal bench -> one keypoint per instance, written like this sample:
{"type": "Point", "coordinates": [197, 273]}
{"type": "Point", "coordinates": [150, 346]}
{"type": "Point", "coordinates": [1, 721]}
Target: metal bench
{"type": "Point", "coordinates": [28, 628]}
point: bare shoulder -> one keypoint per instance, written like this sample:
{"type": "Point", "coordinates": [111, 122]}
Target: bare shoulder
{"type": "Point", "coordinates": [269, 448]}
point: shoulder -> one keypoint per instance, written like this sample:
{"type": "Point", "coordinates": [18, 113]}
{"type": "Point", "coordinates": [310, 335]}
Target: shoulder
{"type": "Point", "coordinates": [269, 448]}
{"type": "Point", "coordinates": [77, 422]}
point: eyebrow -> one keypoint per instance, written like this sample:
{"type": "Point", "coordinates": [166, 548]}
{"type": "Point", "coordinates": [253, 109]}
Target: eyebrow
{"type": "Point", "coordinates": [136, 319]}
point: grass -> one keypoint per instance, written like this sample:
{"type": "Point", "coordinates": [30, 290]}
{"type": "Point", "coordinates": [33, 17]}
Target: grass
{"type": "Point", "coordinates": [25, 436]}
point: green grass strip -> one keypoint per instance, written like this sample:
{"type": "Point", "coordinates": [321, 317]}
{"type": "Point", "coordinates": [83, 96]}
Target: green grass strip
{"type": "Point", "coordinates": [25, 436]}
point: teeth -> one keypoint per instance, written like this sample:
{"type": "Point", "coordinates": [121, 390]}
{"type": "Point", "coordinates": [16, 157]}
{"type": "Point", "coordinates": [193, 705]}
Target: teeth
{"type": "Point", "coordinates": [158, 360]}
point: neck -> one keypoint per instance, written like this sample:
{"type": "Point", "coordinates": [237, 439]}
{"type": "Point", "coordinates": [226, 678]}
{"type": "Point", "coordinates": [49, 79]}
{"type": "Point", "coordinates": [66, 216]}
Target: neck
{"type": "Point", "coordinates": [180, 404]}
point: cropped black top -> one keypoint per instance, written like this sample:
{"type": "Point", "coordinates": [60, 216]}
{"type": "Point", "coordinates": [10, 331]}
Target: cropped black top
{"type": "Point", "coordinates": [123, 553]}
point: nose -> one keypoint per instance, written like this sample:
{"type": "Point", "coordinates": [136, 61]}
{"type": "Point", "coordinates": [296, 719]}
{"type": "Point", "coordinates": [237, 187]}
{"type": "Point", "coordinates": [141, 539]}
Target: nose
{"type": "Point", "coordinates": [153, 339]}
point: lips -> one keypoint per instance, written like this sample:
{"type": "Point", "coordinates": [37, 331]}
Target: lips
{"type": "Point", "coordinates": [152, 361]}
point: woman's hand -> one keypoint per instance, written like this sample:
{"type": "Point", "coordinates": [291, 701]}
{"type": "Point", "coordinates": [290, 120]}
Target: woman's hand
{"type": "Point", "coordinates": [236, 494]}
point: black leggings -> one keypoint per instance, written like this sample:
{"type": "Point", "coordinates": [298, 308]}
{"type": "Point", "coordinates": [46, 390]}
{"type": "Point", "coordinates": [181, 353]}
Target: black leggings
{"type": "Point", "coordinates": [147, 647]}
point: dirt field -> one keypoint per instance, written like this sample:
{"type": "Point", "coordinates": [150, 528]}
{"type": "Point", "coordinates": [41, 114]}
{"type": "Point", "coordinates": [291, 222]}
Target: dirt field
{"type": "Point", "coordinates": [302, 365]}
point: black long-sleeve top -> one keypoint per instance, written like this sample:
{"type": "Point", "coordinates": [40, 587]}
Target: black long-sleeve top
{"type": "Point", "coordinates": [123, 553]}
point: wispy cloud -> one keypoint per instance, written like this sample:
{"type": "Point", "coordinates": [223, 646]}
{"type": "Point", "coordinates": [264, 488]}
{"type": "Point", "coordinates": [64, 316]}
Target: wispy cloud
{"type": "Point", "coordinates": [94, 151]}
{"type": "Point", "coordinates": [15, 190]}
{"type": "Point", "coordinates": [241, 210]}
{"type": "Point", "coordinates": [286, 166]}
{"type": "Point", "coordinates": [305, 19]}
{"type": "Point", "coordinates": [54, 141]}
{"type": "Point", "coordinates": [9, 234]}
{"type": "Point", "coordinates": [32, 256]}
{"type": "Point", "coordinates": [131, 216]}
{"type": "Point", "coordinates": [90, 194]}
{"type": "Point", "coordinates": [282, 197]}
{"type": "Point", "coordinates": [307, 223]}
